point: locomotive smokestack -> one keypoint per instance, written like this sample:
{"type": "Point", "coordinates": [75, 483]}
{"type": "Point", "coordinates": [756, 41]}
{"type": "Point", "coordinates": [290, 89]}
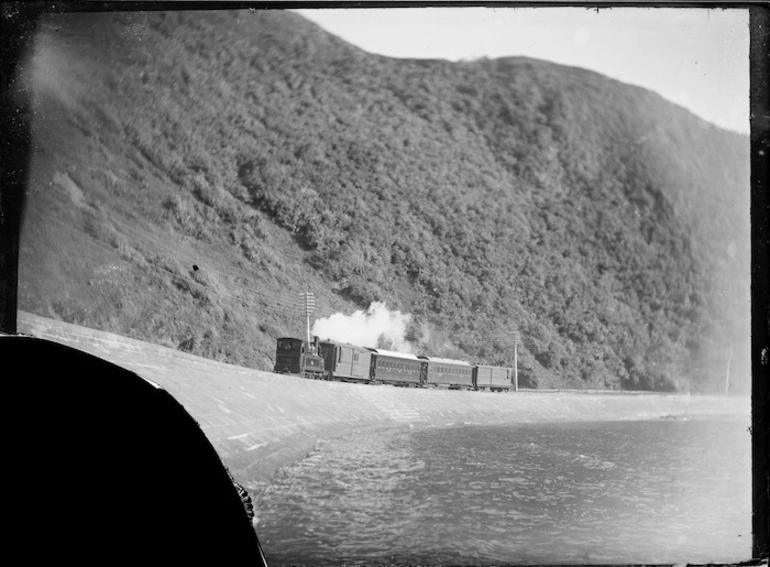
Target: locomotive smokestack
{"type": "Point", "coordinates": [316, 340]}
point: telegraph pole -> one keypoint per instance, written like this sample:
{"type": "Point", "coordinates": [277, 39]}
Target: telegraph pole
{"type": "Point", "coordinates": [308, 303]}
{"type": "Point", "coordinates": [502, 338]}
{"type": "Point", "coordinates": [727, 373]}
{"type": "Point", "coordinates": [516, 339]}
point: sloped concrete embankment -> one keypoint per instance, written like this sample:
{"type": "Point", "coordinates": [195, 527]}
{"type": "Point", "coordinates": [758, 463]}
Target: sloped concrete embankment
{"type": "Point", "coordinates": [259, 421]}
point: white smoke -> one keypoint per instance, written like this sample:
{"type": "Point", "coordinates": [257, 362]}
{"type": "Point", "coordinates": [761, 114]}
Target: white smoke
{"type": "Point", "coordinates": [377, 328]}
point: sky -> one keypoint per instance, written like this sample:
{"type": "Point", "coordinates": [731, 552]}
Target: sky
{"type": "Point", "coordinates": [695, 57]}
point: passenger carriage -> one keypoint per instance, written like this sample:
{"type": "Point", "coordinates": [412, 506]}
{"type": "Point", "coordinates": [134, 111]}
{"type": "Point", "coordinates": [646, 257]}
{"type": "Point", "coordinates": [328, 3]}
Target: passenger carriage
{"type": "Point", "coordinates": [396, 368]}
{"type": "Point", "coordinates": [448, 373]}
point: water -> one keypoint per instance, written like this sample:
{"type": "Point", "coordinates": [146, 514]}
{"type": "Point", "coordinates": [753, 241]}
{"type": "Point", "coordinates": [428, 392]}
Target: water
{"type": "Point", "coordinates": [667, 491]}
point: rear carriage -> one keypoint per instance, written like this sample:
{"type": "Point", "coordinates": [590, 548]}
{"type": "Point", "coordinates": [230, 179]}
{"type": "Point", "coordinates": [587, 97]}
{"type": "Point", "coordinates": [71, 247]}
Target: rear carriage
{"type": "Point", "coordinates": [493, 378]}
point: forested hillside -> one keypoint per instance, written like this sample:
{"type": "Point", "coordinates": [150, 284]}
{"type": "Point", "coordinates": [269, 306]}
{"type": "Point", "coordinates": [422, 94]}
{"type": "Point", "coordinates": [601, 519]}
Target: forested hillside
{"type": "Point", "coordinates": [193, 172]}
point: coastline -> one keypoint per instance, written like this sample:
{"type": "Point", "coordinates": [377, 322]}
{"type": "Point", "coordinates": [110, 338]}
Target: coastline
{"type": "Point", "coordinates": [260, 422]}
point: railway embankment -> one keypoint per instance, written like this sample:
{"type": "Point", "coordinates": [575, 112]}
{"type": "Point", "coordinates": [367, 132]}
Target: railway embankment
{"type": "Point", "coordinates": [259, 421]}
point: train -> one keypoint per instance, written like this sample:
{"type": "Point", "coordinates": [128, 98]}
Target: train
{"type": "Point", "coordinates": [332, 360]}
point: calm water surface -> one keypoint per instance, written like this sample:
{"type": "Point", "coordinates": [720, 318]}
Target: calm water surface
{"type": "Point", "coordinates": [667, 491]}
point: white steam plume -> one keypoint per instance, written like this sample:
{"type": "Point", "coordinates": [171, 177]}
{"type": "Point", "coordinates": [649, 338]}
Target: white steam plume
{"type": "Point", "coordinates": [377, 328]}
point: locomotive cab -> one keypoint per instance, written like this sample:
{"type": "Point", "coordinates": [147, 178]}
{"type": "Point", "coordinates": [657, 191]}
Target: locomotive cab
{"type": "Point", "coordinates": [296, 356]}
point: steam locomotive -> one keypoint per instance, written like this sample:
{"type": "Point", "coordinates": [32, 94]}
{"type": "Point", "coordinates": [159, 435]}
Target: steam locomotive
{"type": "Point", "coordinates": [330, 360]}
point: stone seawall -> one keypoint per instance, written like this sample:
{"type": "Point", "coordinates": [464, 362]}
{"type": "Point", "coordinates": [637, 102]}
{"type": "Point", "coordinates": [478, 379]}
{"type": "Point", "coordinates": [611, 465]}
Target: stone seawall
{"type": "Point", "coordinates": [259, 421]}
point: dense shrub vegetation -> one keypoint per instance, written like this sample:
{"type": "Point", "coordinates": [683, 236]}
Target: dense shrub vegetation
{"type": "Point", "coordinates": [606, 224]}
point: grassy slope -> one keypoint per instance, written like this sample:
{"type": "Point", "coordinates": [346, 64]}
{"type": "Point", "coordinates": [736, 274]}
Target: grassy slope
{"type": "Point", "coordinates": [605, 223]}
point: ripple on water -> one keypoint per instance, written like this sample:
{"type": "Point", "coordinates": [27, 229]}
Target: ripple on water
{"type": "Point", "coordinates": [622, 492]}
